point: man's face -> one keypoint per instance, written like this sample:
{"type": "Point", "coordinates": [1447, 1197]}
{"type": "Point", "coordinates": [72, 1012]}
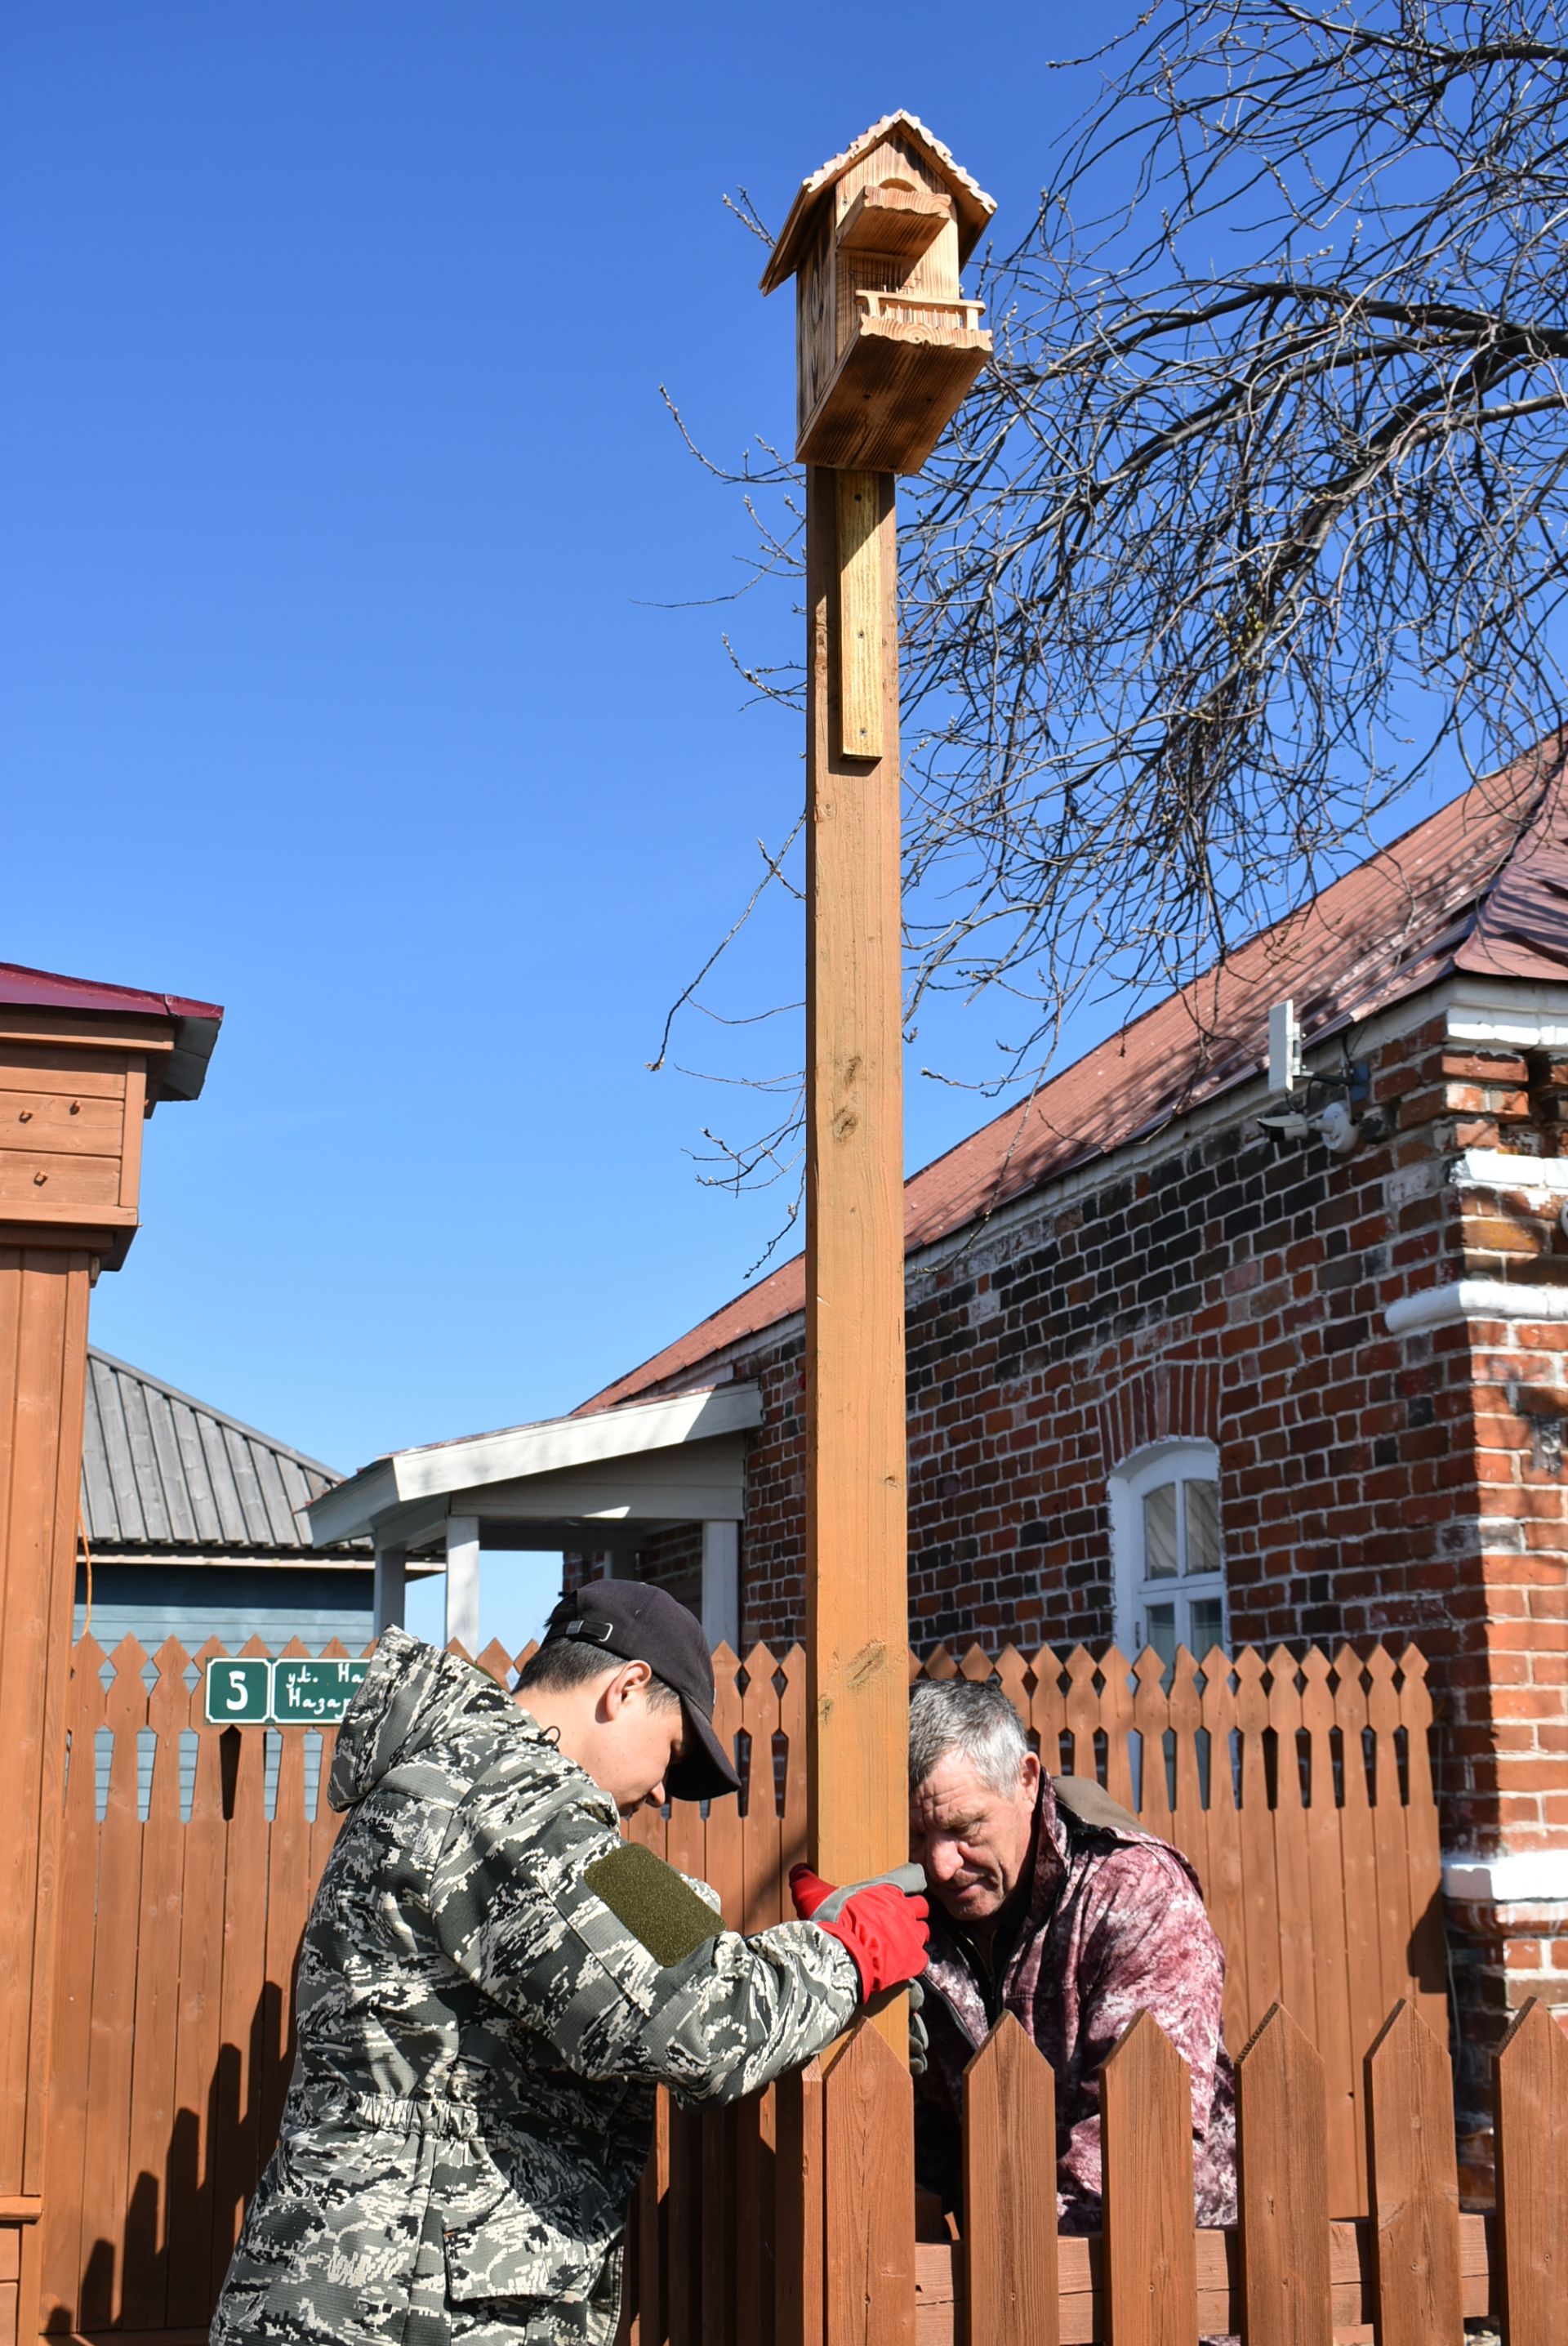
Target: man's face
{"type": "Point", "coordinates": [972, 1841]}
{"type": "Point", "coordinates": [640, 1742]}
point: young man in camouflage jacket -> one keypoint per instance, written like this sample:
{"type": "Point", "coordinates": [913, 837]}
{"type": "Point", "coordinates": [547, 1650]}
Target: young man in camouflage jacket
{"type": "Point", "coordinates": [493, 1983]}
{"type": "Point", "coordinates": [1052, 1903]}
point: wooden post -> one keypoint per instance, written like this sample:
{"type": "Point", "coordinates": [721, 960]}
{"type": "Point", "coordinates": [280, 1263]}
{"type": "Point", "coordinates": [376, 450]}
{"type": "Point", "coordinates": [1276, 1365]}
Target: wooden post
{"type": "Point", "coordinates": [857, 1600]}
{"type": "Point", "coordinates": [80, 1067]}
{"type": "Point", "coordinates": [886, 347]}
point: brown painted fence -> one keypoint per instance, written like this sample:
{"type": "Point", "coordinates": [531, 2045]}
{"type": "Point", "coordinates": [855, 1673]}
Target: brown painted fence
{"type": "Point", "coordinates": [1302, 1790]}
{"type": "Point", "coordinates": [1413, 2274]}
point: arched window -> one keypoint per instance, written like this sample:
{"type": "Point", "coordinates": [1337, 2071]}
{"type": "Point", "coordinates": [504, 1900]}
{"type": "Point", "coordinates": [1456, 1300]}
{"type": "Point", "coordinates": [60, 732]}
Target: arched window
{"type": "Point", "coordinates": [1166, 1548]}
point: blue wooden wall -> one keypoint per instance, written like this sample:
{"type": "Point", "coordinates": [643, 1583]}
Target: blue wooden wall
{"type": "Point", "coordinates": [234, 1602]}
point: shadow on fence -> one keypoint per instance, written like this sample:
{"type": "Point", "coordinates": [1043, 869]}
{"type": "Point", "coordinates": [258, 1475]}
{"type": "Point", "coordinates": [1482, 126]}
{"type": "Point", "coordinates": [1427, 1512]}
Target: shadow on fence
{"type": "Point", "coordinates": [189, 1864]}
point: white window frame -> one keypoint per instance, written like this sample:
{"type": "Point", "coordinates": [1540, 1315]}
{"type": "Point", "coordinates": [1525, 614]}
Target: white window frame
{"type": "Point", "coordinates": [1184, 1461]}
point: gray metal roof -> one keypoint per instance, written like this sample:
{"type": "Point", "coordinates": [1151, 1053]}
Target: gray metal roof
{"type": "Point", "coordinates": [160, 1470]}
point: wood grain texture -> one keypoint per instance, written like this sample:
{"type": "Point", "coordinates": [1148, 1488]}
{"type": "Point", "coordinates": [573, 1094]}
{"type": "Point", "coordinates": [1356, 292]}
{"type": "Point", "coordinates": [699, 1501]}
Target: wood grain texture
{"type": "Point", "coordinates": [1282, 2172]}
{"type": "Point", "coordinates": [801, 2214]}
{"type": "Point", "coordinates": [104, 2179]}
{"type": "Point", "coordinates": [862, 615]}
{"type": "Point", "coordinates": [144, 2297]}
{"type": "Point", "coordinates": [1082, 2314]}
{"type": "Point", "coordinates": [1414, 2183]}
{"type": "Point", "coordinates": [1010, 2190]}
{"type": "Point", "coordinates": [1530, 2085]}
{"type": "Point", "coordinates": [650, 2215]}
{"type": "Point", "coordinates": [869, 2295]}
{"type": "Point", "coordinates": [1150, 2266]}
{"type": "Point", "coordinates": [856, 1514]}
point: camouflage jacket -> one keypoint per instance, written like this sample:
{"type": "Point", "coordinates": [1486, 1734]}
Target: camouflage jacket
{"type": "Point", "coordinates": [481, 2033]}
{"type": "Point", "coordinates": [1110, 1924]}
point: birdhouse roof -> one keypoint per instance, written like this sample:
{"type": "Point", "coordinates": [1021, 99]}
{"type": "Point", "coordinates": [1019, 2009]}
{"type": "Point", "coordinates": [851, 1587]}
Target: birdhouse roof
{"type": "Point", "coordinates": [974, 205]}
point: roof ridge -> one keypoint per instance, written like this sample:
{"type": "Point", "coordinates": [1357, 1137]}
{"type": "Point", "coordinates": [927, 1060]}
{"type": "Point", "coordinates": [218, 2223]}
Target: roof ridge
{"type": "Point", "coordinates": [1389, 927]}
{"type": "Point", "coordinates": [219, 1416]}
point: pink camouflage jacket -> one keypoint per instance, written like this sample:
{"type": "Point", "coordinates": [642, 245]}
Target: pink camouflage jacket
{"type": "Point", "coordinates": [1112, 1924]}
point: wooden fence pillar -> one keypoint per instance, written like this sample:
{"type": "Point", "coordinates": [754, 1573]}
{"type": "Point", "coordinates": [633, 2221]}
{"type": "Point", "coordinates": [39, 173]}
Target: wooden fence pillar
{"type": "Point", "coordinates": [80, 1067]}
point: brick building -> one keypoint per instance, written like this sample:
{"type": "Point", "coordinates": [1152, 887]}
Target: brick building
{"type": "Point", "coordinates": [1172, 1376]}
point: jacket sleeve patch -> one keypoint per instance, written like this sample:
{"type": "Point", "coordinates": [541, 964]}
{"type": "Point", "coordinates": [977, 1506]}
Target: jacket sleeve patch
{"type": "Point", "coordinates": [662, 1913]}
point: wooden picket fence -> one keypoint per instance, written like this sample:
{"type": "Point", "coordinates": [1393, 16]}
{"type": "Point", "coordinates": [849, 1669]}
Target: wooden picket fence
{"type": "Point", "coordinates": [1301, 1787]}
{"type": "Point", "coordinates": [848, 2266]}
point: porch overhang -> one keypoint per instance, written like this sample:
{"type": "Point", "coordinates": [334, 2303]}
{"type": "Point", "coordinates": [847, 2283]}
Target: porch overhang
{"type": "Point", "coordinates": [605, 1482]}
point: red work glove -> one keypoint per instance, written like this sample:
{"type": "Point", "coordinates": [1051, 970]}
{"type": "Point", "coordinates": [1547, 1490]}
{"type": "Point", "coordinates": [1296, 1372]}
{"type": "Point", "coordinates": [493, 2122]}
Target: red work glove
{"type": "Point", "coordinates": [884, 1928]}
{"type": "Point", "coordinates": [808, 1891]}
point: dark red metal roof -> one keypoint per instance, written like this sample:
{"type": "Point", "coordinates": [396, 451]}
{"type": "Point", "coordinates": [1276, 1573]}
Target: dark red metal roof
{"type": "Point", "coordinates": [1479, 886]}
{"type": "Point", "coordinates": [181, 1075]}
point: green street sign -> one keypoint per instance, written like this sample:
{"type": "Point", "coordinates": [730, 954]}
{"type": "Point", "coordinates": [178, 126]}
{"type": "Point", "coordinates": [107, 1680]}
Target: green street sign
{"type": "Point", "coordinates": [239, 1693]}
{"type": "Point", "coordinates": [314, 1694]}
{"type": "Point", "coordinates": [256, 1692]}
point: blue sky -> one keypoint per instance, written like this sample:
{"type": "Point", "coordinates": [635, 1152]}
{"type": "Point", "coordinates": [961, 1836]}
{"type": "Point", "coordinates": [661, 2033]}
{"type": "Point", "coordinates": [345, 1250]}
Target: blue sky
{"type": "Point", "coordinates": [336, 487]}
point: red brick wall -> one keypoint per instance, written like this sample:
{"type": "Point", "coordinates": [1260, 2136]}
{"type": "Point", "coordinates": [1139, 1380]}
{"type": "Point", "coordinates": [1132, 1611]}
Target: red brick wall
{"type": "Point", "coordinates": [1372, 1486]}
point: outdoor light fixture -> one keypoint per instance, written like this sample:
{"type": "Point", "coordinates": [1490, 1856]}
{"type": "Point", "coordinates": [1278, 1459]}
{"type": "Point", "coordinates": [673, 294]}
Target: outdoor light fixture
{"type": "Point", "coordinates": [1310, 1105]}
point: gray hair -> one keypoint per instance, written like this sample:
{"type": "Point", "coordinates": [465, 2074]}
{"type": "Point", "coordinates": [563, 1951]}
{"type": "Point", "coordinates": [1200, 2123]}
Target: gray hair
{"type": "Point", "coordinates": [978, 1721]}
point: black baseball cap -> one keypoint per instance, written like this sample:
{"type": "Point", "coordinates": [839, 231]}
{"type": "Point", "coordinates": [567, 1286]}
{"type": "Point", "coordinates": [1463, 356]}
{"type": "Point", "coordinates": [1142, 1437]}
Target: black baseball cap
{"type": "Point", "coordinates": [639, 1623]}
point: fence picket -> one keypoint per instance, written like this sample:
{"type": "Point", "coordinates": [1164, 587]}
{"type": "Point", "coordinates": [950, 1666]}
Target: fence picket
{"type": "Point", "coordinates": [1260, 1904]}
{"type": "Point", "coordinates": [1358, 1874]}
{"type": "Point", "coordinates": [1117, 1709]}
{"type": "Point", "coordinates": [756, 2124]}
{"type": "Point", "coordinates": [237, 2146]}
{"type": "Point", "coordinates": [1150, 2252]}
{"type": "Point", "coordinates": [761, 1721]}
{"type": "Point", "coordinates": [1151, 1717]}
{"type": "Point", "coordinates": [1282, 2176]}
{"type": "Point", "coordinates": [1047, 1710]}
{"type": "Point", "coordinates": [1388, 1832]}
{"type": "Point", "coordinates": [1222, 1884]}
{"type": "Point", "coordinates": [157, 2003]}
{"type": "Point", "coordinates": [1414, 2183]}
{"type": "Point", "coordinates": [1326, 1883]}
{"type": "Point", "coordinates": [1189, 1818]}
{"type": "Point", "coordinates": [1010, 2176]}
{"type": "Point", "coordinates": [103, 2185]}
{"type": "Point", "coordinates": [869, 2166]}
{"type": "Point", "coordinates": [1292, 1875]}
{"type": "Point", "coordinates": [195, 2149]}
{"type": "Point", "coordinates": [73, 2013]}
{"type": "Point", "coordinates": [1530, 2087]}
{"type": "Point", "coordinates": [792, 1727]}
{"type": "Point", "coordinates": [799, 2209]}
{"type": "Point", "coordinates": [717, 2232]}
{"type": "Point", "coordinates": [723, 1859]}
{"type": "Point", "coordinates": [683, 2228]}
{"type": "Point", "coordinates": [1427, 1949]}
{"type": "Point", "coordinates": [290, 1888]}
{"type": "Point", "coordinates": [652, 2218]}
{"type": "Point", "coordinates": [1082, 1714]}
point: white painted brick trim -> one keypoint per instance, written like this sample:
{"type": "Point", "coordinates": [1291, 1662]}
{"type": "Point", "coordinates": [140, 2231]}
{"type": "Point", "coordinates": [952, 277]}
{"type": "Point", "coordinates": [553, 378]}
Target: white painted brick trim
{"type": "Point", "coordinates": [1535, 1877]}
{"type": "Point", "coordinates": [1475, 1299]}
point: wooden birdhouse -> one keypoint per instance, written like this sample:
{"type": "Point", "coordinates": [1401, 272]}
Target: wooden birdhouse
{"type": "Point", "coordinates": [886, 344]}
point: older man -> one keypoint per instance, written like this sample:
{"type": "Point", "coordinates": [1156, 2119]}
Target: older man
{"type": "Point", "coordinates": [1050, 1903]}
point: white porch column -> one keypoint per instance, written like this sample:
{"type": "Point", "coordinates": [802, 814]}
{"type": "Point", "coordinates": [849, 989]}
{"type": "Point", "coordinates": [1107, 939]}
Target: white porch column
{"type": "Point", "coordinates": [721, 1585]}
{"type": "Point", "coordinates": [462, 1581]}
{"type": "Point", "coordinates": [391, 1584]}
